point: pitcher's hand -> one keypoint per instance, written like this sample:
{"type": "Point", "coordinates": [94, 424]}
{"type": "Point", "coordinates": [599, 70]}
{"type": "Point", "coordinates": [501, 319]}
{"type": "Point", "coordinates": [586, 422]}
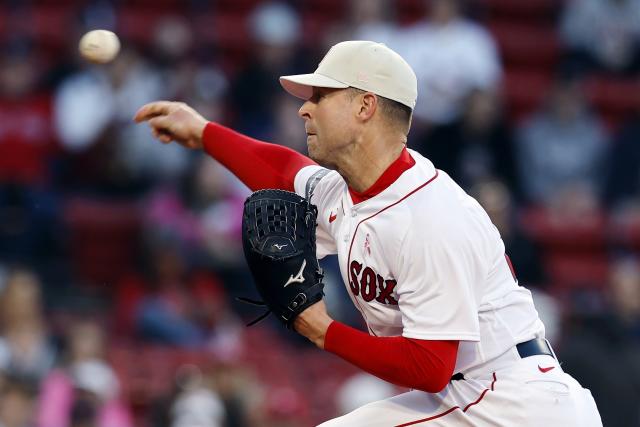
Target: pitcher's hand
{"type": "Point", "coordinates": [173, 121]}
{"type": "Point", "coordinates": [313, 323]}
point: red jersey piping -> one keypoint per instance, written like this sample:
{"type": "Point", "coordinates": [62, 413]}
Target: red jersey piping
{"type": "Point", "coordinates": [355, 232]}
{"type": "Point", "coordinates": [448, 411]}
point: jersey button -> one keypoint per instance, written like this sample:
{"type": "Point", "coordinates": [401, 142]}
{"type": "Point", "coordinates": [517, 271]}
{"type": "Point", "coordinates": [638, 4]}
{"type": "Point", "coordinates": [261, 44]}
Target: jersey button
{"type": "Point", "coordinates": [354, 214]}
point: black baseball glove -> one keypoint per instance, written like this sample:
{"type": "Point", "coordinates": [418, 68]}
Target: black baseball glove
{"type": "Point", "coordinates": [279, 242]}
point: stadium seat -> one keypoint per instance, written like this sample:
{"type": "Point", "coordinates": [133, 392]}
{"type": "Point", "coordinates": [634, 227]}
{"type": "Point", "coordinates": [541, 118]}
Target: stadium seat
{"type": "Point", "coordinates": [532, 46]}
{"type": "Point", "coordinates": [613, 98]}
{"type": "Point", "coordinates": [334, 10]}
{"type": "Point", "coordinates": [543, 11]}
{"type": "Point", "coordinates": [235, 6]}
{"type": "Point", "coordinates": [568, 236]}
{"type": "Point", "coordinates": [46, 24]}
{"type": "Point", "coordinates": [524, 91]}
{"type": "Point", "coordinates": [626, 234]}
{"type": "Point", "coordinates": [138, 24]}
{"type": "Point", "coordinates": [100, 236]}
{"type": "Point", "coordinates": [567, 272]}
{"type": "Point", "coordinates": [409, 11]}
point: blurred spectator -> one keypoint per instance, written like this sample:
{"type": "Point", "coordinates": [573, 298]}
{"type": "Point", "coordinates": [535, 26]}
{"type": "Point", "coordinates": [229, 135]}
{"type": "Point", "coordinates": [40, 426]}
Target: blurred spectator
{"type": "Point", "coordinates": [524, 254]}
{"type": "Point", "coordinates": [30, 227]}
{"type": "Point", "coordinates": [186, 74]}
{"type": "Point", "coordinates": [561, 150]}
{"type": "Point", "coordinates": [276, 32]}
{"type": "Point", "coordinates": [366, 20]}
{"type": "Point", "coordinates": [197, 402]}
{"type": "Point", "coordinates": [477, 146]}
{"type": "Point", "coordinates": [361, 389]}
{"type": "Point", "coordinates": [549, 309]}
{"type": "Point", "coordinates": [217, 200]}
{"type": "Point", "coordinates": [79, 128]}
{"type": "Point", "coordinates": [288, 127]}
{"type": "Point", "coordinates": [24, 339]}
{"type": "Point", "coordinates": [28, 150]}
{"type": "Point", "coordinates": [451, 56]}
{"type": "Point", "coordinates": [84, 390]}
{"type": "Point", "coordinates": [204, 214]}
{"type": "Point", "coordinates": [623, 184]}
{"type": "Point", "coordinates": [224, 394]}
{"type": "Point", "coordinates": [184, 307]}
{"type": "Point", "coordinates": [373, 20]}
{"type": "Point", "coordinates": [199, 407]}
{"type": "Point", "coordinates": [206, 88]}
{"type": "Point", "coordinates": [172, 44]}
{"type": "Point", "coordinates": [17, 403]}
{"type": "Point", "coordinates": [602, 35]}
{"type": "Point", "coordinates": [602, 349]}
{"type": "Point", "coordinates": [240, 392]}
{"type": "Point", "coordinates": [27, 141]}
{"type": "Point", "coordinates": [93, 111]}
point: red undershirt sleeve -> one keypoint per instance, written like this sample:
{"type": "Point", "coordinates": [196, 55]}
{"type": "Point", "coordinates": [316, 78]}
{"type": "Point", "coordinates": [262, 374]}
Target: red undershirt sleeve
{"type": "Point", "coordinates": [425, 365]}
{"type": "Point", "coordinates": [258, 164]}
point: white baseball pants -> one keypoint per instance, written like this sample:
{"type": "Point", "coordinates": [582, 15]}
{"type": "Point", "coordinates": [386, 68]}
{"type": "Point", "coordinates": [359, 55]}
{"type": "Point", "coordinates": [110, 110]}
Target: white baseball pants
{"type": "Point", "coordinates": [518, 392]}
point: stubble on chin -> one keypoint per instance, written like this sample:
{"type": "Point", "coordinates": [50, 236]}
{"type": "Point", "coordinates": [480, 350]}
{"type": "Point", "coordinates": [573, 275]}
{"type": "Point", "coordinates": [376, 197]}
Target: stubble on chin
{"type": "Point", "coordinates": [316, 156]}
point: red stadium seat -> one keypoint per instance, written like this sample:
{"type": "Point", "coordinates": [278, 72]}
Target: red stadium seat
{"type": "Point", "coordinates": [48, 24]}
{"type": "Point", "coordinates": [235, 6]}
{"type": "Point", "coordinates": [524, 91]}
{"type": "Point", "coordinates": [542, 11]}
{"type": "Point", "coordinates": [334, 10]}
{"type": "Point", "coordinates": [577, 271]}
{"type": "Point", "coordinates": [613, 98]}
{"type": "Point", "coordinates": [409, 11]}
{"type": "Point", "coordinates": [102, 236]}
{"type": "Point", "coordinates": [566, 236]}
{"type": "Point", "coordinates": [526, 45]}
{"type": "Point", "coordinates": [315, 27]}
{"type": "Point", "coordinates": [574, 252]}
{"type": "Point", "coordinates": [626, 234]}
{"type": "Point", "coordinates": [138, 24]}
{"type": "Point", "coordinates": [228, 33]}
{"type": "Point", "coordinates": [226, 30]}
{"type": "Point", "coordinates": [173, 6]}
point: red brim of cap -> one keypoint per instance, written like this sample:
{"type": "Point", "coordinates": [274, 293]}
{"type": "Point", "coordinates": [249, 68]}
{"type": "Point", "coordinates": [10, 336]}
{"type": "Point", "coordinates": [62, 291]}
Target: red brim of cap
{"type": "Point", "coordinates": [301, 85]}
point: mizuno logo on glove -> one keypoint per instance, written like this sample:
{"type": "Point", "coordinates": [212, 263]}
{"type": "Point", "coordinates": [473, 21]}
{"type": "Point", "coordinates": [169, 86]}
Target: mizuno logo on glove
{"type": "Point", "coordinates": [298, 277]}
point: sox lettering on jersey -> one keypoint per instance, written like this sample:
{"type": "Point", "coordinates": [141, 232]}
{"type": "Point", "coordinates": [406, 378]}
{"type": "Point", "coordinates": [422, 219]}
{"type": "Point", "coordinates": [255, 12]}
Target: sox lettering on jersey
{"type": "Point", "coordinates": [364, 281]}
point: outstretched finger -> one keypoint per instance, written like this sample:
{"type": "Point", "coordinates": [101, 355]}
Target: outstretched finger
{"type": "Point", "coordinates": [153, 109]}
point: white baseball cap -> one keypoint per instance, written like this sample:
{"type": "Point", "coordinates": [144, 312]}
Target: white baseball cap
{"type": "Point", "coordinates": [365, 65]}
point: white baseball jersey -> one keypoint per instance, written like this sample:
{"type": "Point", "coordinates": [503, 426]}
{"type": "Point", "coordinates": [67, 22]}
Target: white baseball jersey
{"type": "Point", "coordinates": [422, 259]}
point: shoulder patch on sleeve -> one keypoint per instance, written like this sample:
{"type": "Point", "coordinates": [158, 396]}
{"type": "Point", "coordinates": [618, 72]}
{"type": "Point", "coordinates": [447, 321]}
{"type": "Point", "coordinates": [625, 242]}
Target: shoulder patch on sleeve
{"type": "Point", "coordinates": [313, 181]}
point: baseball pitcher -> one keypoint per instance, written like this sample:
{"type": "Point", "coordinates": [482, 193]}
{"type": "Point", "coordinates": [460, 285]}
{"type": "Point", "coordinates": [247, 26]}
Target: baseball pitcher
{"type": "Point", "coordinates": [420, 258]}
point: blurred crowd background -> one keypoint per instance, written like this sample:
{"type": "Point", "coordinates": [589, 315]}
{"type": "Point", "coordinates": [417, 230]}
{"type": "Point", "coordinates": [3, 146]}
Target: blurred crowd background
{"type": "Point", "coordinates": [120, 257]}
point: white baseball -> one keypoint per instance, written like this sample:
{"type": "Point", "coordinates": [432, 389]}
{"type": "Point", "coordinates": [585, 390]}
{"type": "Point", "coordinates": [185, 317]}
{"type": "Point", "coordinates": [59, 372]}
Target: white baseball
{"type": "Point", "coordinates": [99, 46]}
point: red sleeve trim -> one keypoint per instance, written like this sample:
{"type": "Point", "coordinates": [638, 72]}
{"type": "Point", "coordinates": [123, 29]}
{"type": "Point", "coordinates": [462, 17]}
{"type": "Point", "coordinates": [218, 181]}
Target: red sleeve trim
{"type": "Point", "coordinates": [425, 365]}
{"type": "Point", "coordinates": [256, 163]}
